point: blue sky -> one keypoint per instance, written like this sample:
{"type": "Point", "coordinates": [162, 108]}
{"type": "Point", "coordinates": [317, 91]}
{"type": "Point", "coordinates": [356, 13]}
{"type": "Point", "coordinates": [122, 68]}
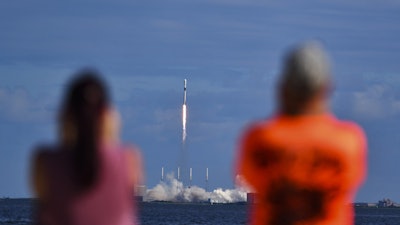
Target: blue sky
{"type": "Point", "coordinates": [229, 50]}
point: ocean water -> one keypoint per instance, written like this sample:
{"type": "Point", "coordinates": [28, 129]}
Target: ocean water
{"type": "Point", "coordinates": [19, 211]}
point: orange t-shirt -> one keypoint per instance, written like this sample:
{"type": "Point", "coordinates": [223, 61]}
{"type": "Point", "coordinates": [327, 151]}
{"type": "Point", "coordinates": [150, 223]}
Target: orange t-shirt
{"type": "Point", "coordinates": [304, 169]}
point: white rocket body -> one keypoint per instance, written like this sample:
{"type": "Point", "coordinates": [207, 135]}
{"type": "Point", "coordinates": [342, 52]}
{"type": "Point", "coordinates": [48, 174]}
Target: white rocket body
{"type": "Point", "coordinates": [184, 91]}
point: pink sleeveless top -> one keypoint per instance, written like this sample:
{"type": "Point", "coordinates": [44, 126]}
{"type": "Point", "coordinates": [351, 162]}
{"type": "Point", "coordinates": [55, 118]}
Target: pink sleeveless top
{"type": "Point", "coordinates": [109, 201]}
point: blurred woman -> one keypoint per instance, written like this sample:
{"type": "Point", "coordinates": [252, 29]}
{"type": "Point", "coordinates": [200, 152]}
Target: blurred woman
{"type": "Point", "coordinates": [89, 176]}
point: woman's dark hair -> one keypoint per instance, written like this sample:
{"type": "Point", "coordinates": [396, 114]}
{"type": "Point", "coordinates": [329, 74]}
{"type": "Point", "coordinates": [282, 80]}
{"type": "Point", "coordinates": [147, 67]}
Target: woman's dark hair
{"type": "Point", "coordinates": [81, 113]}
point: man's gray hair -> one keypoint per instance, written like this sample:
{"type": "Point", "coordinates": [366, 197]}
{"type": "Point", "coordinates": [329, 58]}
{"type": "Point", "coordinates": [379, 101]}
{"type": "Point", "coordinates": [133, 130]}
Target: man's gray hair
{"type": "Point", "coordinates": [306, 72]}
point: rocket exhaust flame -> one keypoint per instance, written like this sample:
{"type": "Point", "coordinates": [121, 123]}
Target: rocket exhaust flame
{"type": "Point", "coordinates": [184, 112]}
{"type": "Point", "coordinates": [184, 122]}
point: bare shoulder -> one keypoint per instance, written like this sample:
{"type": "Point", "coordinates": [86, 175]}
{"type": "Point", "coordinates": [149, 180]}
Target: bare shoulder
{"type": "Point", "coordinates": [134, 160]}
{"type": "Point", "coordinates": [39, 160]}
{"type": "Point", "coordinates": [131, 152]}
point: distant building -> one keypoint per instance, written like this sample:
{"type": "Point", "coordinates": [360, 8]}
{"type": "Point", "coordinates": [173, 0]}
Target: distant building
{"type": "Point", "coordinates": [387, 203]}
{"type": "Point", "coordinates": [361, 204]}
{"type": "Point", "coordinates": [140, 193]}
{"type": "Point", "coordinates": [384, 203]}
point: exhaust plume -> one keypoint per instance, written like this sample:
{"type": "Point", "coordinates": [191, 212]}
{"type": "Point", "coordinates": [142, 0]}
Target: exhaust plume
{"type": "Point", "coordinates": [174, 191]}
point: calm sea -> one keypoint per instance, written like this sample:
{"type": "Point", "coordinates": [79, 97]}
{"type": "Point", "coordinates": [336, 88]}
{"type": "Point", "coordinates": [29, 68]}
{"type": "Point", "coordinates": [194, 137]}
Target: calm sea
{"type": "Point", "coordinates": [19, 211]}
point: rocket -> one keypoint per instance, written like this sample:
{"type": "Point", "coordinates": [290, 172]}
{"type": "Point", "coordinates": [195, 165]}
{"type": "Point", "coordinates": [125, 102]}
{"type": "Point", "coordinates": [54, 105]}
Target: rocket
{"type": "Point", "coordinates": [184, 111]}
{"type": "Point", "coordinates": [184, 91]}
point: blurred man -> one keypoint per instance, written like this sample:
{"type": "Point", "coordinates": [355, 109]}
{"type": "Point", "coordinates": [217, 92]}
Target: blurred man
{"type": "Point", "coordinates": [304, 164]}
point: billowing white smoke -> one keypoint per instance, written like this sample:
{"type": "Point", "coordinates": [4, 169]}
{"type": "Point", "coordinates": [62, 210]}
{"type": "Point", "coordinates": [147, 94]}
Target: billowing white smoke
{"type": "Point", "coordinates": [174, 191]}
{"type": "Point", "coordinates": [228, 196]}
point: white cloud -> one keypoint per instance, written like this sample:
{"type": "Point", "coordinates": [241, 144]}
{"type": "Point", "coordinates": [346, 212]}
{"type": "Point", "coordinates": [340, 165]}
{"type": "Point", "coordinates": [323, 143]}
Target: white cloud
{"type": "Point", "coordinates": [16, 105]}
{"type": "Point", "coordinates": [376, 102]}
{"type": "Point", "coordinates": [395, 105]}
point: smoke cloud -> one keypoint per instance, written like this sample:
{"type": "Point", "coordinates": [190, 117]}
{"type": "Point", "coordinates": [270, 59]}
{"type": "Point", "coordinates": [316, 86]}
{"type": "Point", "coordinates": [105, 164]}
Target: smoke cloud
{"type": "Point", "coordinates": [174, 191]}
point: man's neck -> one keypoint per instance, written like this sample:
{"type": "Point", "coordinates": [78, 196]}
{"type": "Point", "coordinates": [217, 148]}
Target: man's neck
{"type": "Point", "coordinates": [316, 105]}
